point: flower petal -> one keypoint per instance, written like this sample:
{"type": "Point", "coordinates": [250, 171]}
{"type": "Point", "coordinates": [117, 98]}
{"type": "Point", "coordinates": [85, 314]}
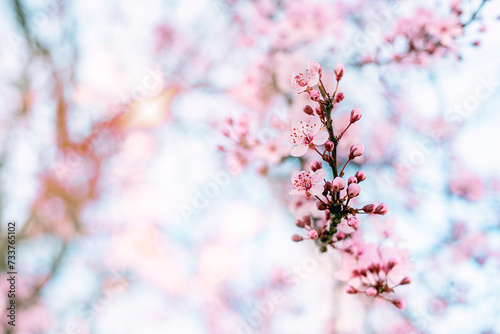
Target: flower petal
{"type": "Point", "coordinates": [319, 175]}
{"type": "Point", "coordinates": [298, 150]}
{"type": "Point", "coordinates": [317, 189]}
{"type": "Point", "coordinates": [320, 138]}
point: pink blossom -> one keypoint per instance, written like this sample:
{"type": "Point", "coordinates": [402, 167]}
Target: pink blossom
{"type": "Point", "coordinates": [339, 71]}
{"type": "Point", "coordinates": [299, 82]}
{"type": "Point", "coordinates": [371, 291]}
{"type": "Point", "coordinates": [368, 208]}
{"type": "Point", "coordinates": [350, 289]}
{"type": "Point", "coordinates": [382, 268]}
{"type": "Point", "coordinates": [313, 234]}
{"type": "Point", "coordinates": [353, 222]}
{"type": "Point", "coordinates": [399, 303]}
{"type": "Point", "coordinates": [381, 209]}
{"type": "Point", "coordinates": [353, 190]}
{"type": "Point", "coordinates": [352, 179]}
{"type": "Point", "coordinates": [355, 115]}
{"type": "Point", "coordinates": [308, 182]}
{"type": "Point", "coordinates": [356, 151]}
{"type": "Point", "coordinates": [314, 72]}
{"type": "Point", "coordinates": [360, 175]}
{"type": "Point", "coordinates": [329, 146]}
{"type": "Point", "coordinates": [308, 110]}
{"type": "Point", "coordinates": [306, 135]}
{"type": "Point", "coordinates": [315, 165]}
{"type": "Point", "coordinates": [338, 184]}
{"type": "Point", "coordinates": [297, 238]}
{"type": "Point", "coordinates": [302, 82]}
{"type": "Point", "coordinates": [314, 94]}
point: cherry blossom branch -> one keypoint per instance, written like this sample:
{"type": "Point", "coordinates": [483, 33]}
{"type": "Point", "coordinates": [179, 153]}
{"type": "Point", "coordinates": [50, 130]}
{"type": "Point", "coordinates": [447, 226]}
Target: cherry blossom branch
{"type": "Point", "coordinates": [337, 224]}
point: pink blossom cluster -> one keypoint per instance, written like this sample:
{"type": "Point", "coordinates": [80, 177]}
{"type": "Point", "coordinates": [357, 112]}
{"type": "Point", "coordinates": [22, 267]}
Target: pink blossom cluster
{"type": "Point", "coordinates": [333, 221]}
{"type": "Point", "coordinates": [427, 34]}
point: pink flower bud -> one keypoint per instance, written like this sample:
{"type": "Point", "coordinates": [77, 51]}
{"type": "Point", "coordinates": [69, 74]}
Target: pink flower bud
{"type": "Point", "coordinates": [381, 209]}
{"type": "Point", "coordinates": [353, 190]}
{"type": "Point", "coordinates": [340, 235]}
{"type": "Point", "coordinates": [339, 71]}
{"type": "Point", "coordinates": [338, 184]}
{"type": "Point", "coordinates": [328, 186]}
{"type": "Point", "coordinates": [355, 115]}
{"type": "Point", "coordinates": [360, 175]}
{"type": "Point", "coordinates": [329, 146]}
{"type": "Point", "coordinates": [308, 110]}
{"type": "Point", "coordinates": [297, 238]}
{"type": "Point", "coordinates": [226, 133]}
{"type": "Point", "coordinates": [306, 220]}
{"type": "Point", "coordinates": [399, 303]}
{"type": "Point", "coordinates": [356, 151]}
{"type": "Point", "coordinates": [339, 97]}
{"type": "Point", "coordinates": [314, 94]}
{"type": "Point", "coordinates": [321, 206]}
{"type": "Point", "coordinates": [313, 234]}
{"type": "Point", "coordinates": [368, 208]}
{"type": "Point", "coordinates": [353, 222]}
{"type": "Point", "coordinates": [371, 291]}
{"type": "Point", "coordinates": [315, 165]}
{"type": "Point", "coordinates": [300, 223]}
{"type": "Point", "coordinates": [350, 289]}
{"type": "Point", "coordinates": [374, 268]}
{"type": "Point", "coordinates": [352, 179]}
{"type": "Point", "coordinates": [405, 281]}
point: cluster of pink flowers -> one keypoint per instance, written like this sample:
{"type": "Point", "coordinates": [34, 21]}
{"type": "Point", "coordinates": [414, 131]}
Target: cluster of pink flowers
{"type": "Point", "coordinates": [370, 269]}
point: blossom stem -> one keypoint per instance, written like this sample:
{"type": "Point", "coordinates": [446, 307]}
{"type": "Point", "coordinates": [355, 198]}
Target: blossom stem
{"type": "Point", "coordinates": [342, 170]}
{"type": "Point", "coordinates": [340, 136]}
{"type": "Point", "coordinates": [329, 127]}
{"type": "Point", "coordinates": [322, 90]}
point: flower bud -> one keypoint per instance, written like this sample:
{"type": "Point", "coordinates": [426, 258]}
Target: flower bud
{"type": "Point", "coordinates": [314, 94]}
{"type": "Point", "coordinates": [355, 115]}
{"type": "Point", "coordinates": [352, 179]}
{"type": "Point", "coordinates": [368, 208]}
{"type": "Point", "coordinates": [339, 97]}
{"type": "Point", "coordinates": [360, 175]}
{"type": "Point", "coordinates": [371, 291]}
{"type": "Point", "coordinates": [374, 268]}
{"type": "Point", "coordinates": [399, 303]}
{"type": "Point", "coordinates": [350, 289]}
{"type": "Point", "coordinates": [405, 281]}
{"type": "Point", "coordinates": [381, 209]}
{"type": "Point", "coordinates": [306, 220]}
{"type": "Point", "coordinates": [338, 184]}
{"type": "Point", "coordinates": [353, 190]}
{"type": "Point", "coordinates": [340, 235]}
{"type": "Point", "coordinates": [339, 71]}
{"type": "Point", "coordinates": [328, 186]}
{"type": "Point", "coordinates": [315, 165]}
{"type": "Point", "coordinates": [300, 223]}
{"type": "Point", "coordinates": [308, 110]}
{"type": "Point", "coordinates": [297, 238]}
{"type": "Point", "coordinates": [329, 146]}
{"type": "Point", "coordinates": [353, 222]}
{"type": "Point", "coordinates": [313, 234]}
{"type": "Point", "coordinates": [356, 151]}
{"type": "Point", "coordinates": [321, 206]}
